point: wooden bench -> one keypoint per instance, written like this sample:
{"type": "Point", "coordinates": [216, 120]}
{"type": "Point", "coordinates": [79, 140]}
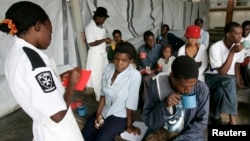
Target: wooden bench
{"type": "Point", "coordinates": [243, 96]}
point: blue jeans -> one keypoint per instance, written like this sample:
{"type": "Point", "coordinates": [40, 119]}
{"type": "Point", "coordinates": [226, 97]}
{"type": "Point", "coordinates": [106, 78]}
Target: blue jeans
{"type": "Point", "coordinates": [224, 93]}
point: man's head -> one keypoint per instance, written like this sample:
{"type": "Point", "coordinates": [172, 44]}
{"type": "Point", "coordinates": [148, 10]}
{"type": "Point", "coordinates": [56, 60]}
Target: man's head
{"type": "Point", "coordinates": [246, 28]}
{"type": "Point", "coordinates": [199, 22]}
{"type": "Point", "coordinates": [100, 15]}
{"type": "Point", "coordinates": [233, 32]}
{"type": "Point", "coordinates": [164, 29]}
{"type": "Point", "coordinates": [149, 39]}
{"type": "Point", "coordinates": [184, 74]}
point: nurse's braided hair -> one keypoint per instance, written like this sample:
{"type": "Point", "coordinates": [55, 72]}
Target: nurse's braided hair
{"type": "Point", "coordinates": [21, 16]}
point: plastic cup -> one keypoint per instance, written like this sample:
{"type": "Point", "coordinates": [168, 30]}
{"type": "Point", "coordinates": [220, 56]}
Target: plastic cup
{"type": "Point", "coordinates": [148, 70]}
{"type": "Point", "coordinates": [160, 38]}
{"type": "Point", "coordinates": [188, 101]}
{"type": "Point", "coordinates": [113, 45]}
{"type": "Point", "coordinates": [82, 111]}
{"type": "Point", "coordinates": [246, 44]}
{"type": "Point", "coordinates": [143, 55]}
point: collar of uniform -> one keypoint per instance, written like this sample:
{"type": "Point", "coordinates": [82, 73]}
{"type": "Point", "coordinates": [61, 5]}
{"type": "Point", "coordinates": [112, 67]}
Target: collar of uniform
{"type": "Point", "coordinates": [23, 43]}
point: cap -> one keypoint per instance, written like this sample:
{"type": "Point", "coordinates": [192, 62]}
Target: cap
{"type": "Point", "coordinates": [193, 31]}
{"type": "Point", "coordinates": [101, 12]}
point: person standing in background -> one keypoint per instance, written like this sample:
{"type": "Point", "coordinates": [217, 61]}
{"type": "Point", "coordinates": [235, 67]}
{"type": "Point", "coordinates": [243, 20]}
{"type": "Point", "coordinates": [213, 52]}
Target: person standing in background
{"type": "Point", "coordinates": [204, 39]}
{"type": "Point", "coordinates": [97, 56]}
{"type": "Point", "coordinates": [31, 76]}
{"type": "Point", "coordinates": [169, 38]}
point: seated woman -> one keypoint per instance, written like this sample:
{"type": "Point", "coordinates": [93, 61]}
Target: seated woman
{"type": "Point", "coordinates": [119, 97]}
{"type": "Point", "coordinates": [195, 50]}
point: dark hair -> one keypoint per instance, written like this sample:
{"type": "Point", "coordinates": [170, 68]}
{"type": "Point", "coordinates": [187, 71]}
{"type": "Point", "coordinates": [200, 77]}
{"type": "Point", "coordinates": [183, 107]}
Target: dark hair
{"type": "Point", "coordinates": [184, 67]}
{"type": "Point", "coordinates": [166, 46]}
{"type": "Point", "coordinates": [245, 23]}
{"type": "Point", "coordinates": [147, 34]}
{"type": "Point", "coordinates": [128, 48]}
{"type": "Point", "coordinates": [24, 15]}
{"type": "Point", "coordinates": [199, 19]}
{"type": "Point", "coordinates": [230, 27]}
{"type": "Point", "coordinates": [165, 25]}
{"type": "Point", "coordinates": [116, 31]}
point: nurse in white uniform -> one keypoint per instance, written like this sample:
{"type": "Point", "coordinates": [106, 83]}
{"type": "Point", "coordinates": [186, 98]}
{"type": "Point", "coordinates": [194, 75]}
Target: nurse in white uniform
{"type": "Point", "coordinates": [32, 78]}
{"type": "Point", "coordinates": [97, 55]}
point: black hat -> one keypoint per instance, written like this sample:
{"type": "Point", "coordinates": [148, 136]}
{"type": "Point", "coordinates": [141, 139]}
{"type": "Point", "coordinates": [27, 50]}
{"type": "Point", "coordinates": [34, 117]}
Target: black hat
{"type": "Point", "coordinates": [101, 12]}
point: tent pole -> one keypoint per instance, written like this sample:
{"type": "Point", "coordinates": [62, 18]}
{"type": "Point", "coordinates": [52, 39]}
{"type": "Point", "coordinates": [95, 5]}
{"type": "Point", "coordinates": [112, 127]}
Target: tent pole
{"type": "Point", "coordinates": [77, 17]}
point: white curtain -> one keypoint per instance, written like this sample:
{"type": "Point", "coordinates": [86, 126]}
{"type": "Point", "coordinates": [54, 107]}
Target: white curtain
{"type": "Point", "coordinates": [134, 17]}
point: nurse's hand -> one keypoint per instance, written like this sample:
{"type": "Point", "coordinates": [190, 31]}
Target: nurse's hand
{"type": "Point", "coordinates": [108, 40]}
{"type": "Point", "coordinates": [74, 76]}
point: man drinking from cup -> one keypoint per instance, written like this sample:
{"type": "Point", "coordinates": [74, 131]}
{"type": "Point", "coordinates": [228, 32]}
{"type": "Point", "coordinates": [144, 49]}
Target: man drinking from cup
{"type": "Point", "coordinates": [177, 105]}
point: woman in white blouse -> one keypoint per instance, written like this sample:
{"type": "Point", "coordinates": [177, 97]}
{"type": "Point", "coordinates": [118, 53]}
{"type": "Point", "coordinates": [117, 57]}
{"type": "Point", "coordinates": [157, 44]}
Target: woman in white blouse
{"type": "Point", "coordinates": [195, 50]}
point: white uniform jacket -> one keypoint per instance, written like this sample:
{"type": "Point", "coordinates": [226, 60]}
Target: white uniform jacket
{"type": "Point", "coordinates": [39, 92]}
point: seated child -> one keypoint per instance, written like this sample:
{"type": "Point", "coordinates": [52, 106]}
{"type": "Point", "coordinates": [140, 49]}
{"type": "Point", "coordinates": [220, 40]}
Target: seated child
{"type": "Point", "coordinates": [117, 36]}
{"type": "Point", "coordinates": [165, 62]}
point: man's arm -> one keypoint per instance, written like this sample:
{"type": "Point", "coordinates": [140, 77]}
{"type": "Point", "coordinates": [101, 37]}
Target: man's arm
{"type": "Point", "coordinates": [226, 66]}
{"type": "Point", "coordinates": [178, 41]}
{"type": "Point", "coordinates": [194, 129]}
{"type": "Point", "coordinates": [238, 75]}
{"type": "Point", "coordinates": [154, 110]}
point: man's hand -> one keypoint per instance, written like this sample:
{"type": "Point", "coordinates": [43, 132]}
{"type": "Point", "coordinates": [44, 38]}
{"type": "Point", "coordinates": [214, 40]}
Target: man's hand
{"type": "Point", "coordinates": [173, 99]}
{"type": "Point", "coordinates": [237, 48]}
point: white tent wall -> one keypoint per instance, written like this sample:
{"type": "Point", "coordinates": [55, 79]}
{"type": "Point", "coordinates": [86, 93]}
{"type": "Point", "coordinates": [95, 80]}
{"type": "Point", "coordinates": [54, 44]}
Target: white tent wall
{"type": "Point", "coordinates": [134, 17]}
